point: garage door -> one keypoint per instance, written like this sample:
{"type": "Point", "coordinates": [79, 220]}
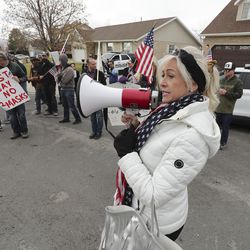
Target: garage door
{"type": "Point", "coordinates": [239, 54]}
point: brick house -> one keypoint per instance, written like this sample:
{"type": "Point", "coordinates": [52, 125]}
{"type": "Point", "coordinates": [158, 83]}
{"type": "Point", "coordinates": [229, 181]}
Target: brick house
{"type": "Point", "coordinates": [228, 35]}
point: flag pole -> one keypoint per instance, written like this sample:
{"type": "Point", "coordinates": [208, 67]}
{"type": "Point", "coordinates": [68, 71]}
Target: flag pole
{"type": "Point", "coordinates": [99, 60]}
{"type": "Point", "coordinates": [61, 52]}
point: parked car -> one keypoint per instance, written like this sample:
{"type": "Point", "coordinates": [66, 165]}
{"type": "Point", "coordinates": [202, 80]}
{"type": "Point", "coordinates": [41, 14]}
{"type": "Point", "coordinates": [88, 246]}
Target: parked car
{"type": "Point", "coordinates": [242, 106]}
{"type": "Point", "coordinates": [22, 58]}
{"type": "Point", "coordinates": [120, 59]}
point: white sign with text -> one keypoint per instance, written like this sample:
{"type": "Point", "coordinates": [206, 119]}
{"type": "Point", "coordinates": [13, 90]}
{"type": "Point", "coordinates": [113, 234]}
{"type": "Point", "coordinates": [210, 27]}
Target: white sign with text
{"type": "Point", "coordinates": [11, 92]}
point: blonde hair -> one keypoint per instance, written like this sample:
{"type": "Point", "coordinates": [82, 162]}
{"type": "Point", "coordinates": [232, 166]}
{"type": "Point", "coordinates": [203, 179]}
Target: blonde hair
{"type": "Point", "coordinates": [211, 74]}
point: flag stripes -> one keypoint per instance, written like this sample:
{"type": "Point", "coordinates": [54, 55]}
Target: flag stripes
{"type": "Point", "coordinates": [144, 55]}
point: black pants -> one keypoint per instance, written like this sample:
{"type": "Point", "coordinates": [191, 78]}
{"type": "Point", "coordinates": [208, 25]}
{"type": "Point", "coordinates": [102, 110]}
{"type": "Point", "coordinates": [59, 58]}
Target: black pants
{"type": "Point", "coordinates": [173, 236]}
{"type": "Point", "coordinates": [50, 96]}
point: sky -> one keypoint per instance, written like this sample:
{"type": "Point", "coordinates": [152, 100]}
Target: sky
{"type": "Point", "coordinates": [195, 14]}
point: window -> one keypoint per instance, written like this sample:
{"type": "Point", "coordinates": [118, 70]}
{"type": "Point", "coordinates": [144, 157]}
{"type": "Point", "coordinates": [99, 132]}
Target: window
{"type": "Point", "coordinates": [125, 57]}
{"type": "Point", "coordinates": [245, 77]}
{"type": "Point", "coordinates": [110, 46]}
{"type": "Point", "coordinates": [127, 47]}
{"type": "Point", "coordinates": [245, 14]}
{"type": "Point", "coordinates": [115, 58]}
{"type": "Point", "coordinates": [171, 48]}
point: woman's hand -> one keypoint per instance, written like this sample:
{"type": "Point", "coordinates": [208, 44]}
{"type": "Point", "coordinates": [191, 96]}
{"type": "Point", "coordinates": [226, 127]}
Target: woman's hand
{"type": "Point", "coordinates": [130, 119]}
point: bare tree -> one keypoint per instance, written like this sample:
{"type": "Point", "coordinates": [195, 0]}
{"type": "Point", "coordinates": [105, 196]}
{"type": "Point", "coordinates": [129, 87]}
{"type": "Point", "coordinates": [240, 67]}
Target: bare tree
{"type": "Point", "coordinates": [49, 21]}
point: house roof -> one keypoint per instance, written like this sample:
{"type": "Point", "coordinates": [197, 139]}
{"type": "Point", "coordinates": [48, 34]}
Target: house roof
{"type": "Point", "coordinates": [225, 21]}
{"type": "Point", "coordinates": [127, 31]}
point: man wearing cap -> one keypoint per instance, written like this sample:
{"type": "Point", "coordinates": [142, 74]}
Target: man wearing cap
{"type": "Point", "coordinates": [49, 85]}
{"type": "Point", "coordinates": [231, 89]}
{"type": "Point", "coordinates": [17, 115]}
{"type": "Point", "coordinates": [67, 83]}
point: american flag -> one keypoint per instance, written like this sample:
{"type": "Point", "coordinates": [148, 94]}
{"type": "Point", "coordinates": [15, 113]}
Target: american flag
{"type": "Point", "coordinates": [144, 55]}
{"type": "Point", "coordinates": [209, 55]}
{"type": "Point", "coordinates": [53, 72]}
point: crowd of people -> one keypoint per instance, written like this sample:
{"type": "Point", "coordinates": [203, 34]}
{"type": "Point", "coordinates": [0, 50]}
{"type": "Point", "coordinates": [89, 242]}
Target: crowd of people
{"type": "Point", "coordinates": [45, 84]}
{"type": "Point", "coordinates": [164, 153]}
{"type": "Point", "coordinates": [45, 77]}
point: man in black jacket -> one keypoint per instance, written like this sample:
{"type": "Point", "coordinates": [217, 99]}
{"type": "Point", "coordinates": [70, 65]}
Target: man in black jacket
{"type": "Point", "coordinates": [96, 117]}
{"type": "Point", "coordinates": [17, 115]}
{"type": "Point", "coordinates": [49, 85]}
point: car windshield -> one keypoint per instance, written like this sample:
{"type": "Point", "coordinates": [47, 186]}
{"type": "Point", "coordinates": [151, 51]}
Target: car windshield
{"type": "Point", "coordinates": [107, 56]}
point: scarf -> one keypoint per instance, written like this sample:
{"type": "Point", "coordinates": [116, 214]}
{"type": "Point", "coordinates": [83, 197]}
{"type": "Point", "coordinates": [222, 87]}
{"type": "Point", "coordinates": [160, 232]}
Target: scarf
{"type": "Point", "coordinates": [124, 193]}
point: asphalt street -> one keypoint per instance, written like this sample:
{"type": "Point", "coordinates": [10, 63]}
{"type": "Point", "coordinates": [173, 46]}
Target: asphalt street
{"type": "Point", "coordinates": [55, 185]}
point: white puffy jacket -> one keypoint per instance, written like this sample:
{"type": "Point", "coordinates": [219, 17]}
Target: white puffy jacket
{"type": "Point", "coordinates": [176, 151]}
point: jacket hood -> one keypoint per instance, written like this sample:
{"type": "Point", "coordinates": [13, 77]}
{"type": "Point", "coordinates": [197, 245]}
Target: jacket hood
{"type": "Point", "coordinates": [198, 116]}
{"type": "Point", "coordinates": [63, 60]}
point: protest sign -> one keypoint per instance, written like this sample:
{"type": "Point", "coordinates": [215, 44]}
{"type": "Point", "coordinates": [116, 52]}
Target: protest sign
{"type": "Point", "coordinates": [55, 56]}
{"type": "Point", "coordinates": [11, 92]}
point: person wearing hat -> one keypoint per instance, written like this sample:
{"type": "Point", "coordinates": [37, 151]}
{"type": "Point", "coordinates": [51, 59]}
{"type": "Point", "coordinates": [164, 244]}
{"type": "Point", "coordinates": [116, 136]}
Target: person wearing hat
{"type": "Point", "coordinates": [67, 83]}
{"type": "Point", "coordinates": [231, 89]}
{"type": "Point", "coordinates": [49, 85]}
{"type": "Point", "coordinates": [17, 115]}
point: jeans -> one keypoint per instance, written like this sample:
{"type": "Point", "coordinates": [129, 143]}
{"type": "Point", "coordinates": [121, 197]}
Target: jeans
{"type": "Point", "coordinates": [68, 102]}
{"type": "Point", "coordinates": [18, 119]}
{"type": "Point", "coordinates": [97, 122]}
{"type": "Point", "coordinates": [224, 121]}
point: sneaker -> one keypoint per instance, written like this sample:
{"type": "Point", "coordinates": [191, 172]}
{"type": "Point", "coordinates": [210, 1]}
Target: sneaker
{"type": "Point", "coordinates": [47, 113]}
{"type": "Point", "coordinates": [98, 136]}
{"type": "Point", "coordinates": [64, 121]}
{"type": "Point", "coordinates": [55, 114]}
{"type": "Point", "coordinates": [14, 136]}
{"type": "Point", "coordinates": [25, 135]}
{"type": "Point", "coordinates": [223, 146]}
{"type": "Point", "coordinates": [76, 122]}
{"type": "Point", "coordinates": [92, 136]}
{"type": "Point", "coordinates": [6, 121]}
{"type": "Point", "coordinates": [35, 112]}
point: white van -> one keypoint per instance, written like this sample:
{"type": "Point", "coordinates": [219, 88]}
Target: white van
{"type": "Point", "coordinates": [242, 106]}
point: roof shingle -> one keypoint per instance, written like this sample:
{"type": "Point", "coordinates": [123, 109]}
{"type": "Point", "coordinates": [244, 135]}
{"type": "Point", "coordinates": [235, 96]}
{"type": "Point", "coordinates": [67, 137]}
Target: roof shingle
{"type": "Point", "coordinates": [127, 31]}
{"type": "Point", "coordinates": [225, 22]}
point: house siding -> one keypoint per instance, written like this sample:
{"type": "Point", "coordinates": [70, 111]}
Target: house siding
{"type": "Point", "coordinates": [172, 33]}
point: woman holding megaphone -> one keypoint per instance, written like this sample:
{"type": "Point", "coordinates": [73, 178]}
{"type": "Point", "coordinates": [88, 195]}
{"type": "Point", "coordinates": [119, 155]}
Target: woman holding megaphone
{"type": "Point", "coordinates": [163, 154]}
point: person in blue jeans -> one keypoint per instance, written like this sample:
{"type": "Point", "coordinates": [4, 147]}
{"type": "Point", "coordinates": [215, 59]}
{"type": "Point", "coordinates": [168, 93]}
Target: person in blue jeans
{"type": "Point", "coordinates": [231, 89]}
{"type": "Point", "coordinates": [96, 118]}
{"type": "Point", "coordinates": [67, 83]}
{"type": "Point", "coordinates": [17, 115]}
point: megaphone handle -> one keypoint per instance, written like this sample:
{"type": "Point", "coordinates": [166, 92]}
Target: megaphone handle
{"type": "Point", "coordinates": [130, 111]}
{"type": "Point", "coordinates": [105, 116]}
{"type": "Point", "coordinates": [134, 112]}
